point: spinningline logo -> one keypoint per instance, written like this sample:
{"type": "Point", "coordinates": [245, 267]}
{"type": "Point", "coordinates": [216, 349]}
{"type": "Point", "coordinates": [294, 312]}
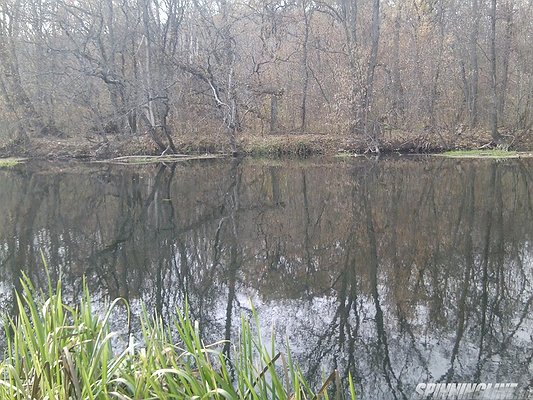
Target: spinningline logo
{"type": "Point", "coordinates": [466, 391]}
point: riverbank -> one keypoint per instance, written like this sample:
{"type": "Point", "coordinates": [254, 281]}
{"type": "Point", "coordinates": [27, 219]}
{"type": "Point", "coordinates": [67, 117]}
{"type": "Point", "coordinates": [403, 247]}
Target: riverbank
{"type": "Point", "coordinates": [101, 148]}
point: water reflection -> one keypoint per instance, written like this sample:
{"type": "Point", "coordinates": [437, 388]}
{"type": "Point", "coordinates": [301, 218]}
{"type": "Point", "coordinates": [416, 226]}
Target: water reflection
{"type": "Point", "coordinates": [399, 271]}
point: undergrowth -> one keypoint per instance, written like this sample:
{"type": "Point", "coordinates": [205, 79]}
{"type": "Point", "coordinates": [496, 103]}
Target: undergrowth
{"type": "Point", "coordinates": [58, 351]}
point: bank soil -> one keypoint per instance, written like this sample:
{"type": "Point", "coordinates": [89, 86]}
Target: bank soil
{"type": "Point", "coordinates": [102, 148]}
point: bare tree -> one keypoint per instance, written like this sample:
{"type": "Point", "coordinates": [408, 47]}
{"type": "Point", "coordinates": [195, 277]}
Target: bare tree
{"type": "Point", "coordinates": [226, 69]}
{"type": "Point", "coordinates": [16, 98]}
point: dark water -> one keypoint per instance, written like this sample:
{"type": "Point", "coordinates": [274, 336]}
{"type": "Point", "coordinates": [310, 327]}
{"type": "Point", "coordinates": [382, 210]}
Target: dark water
{"type": "Point", "coordinates": [400, 271]}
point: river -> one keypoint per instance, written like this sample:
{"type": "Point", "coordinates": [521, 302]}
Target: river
{"type": "Point", "coordinates": [402, 270]}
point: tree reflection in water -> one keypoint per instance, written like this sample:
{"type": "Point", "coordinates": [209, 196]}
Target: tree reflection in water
{"type": "Point", "coordinates": [400, 271]}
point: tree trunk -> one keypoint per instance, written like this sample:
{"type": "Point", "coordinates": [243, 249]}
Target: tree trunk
{"type": "Point", "coordinates": [398, 100]}
{"type": "Point", "coordinates": [157, 102]}
{"type": "Point", "coordinates": [509, 6]}
{"type": "Point", "coordinates": [372, 62]}
{"type": "Point", "coordinates": [493, 81]}
{"type": "Point", "coordinates": [349, 23]}
{"type": "Point", "coordinates": [273, 113]}
{"type": "Point", "coordinates": [30, 122]}
{"type": "Point", "coordinates": [305, 67]}
{"type": "Point", "coordinates": [474, 68]}
{"type": "Point", "coordinates": [435, 84]}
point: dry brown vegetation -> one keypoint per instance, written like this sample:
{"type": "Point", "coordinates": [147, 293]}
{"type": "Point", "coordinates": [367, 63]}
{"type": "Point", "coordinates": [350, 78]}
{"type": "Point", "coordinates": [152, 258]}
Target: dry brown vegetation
{"type": "Point", "coordinates": [102, 78]}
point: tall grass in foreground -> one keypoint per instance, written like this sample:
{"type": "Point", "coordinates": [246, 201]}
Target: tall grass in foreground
{"type": "Point", "coordinates": [57, 351]}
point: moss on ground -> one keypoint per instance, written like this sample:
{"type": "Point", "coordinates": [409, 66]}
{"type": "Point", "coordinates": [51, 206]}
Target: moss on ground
{"type": "Point", "coordinates": [10, 162]}
{"type": "Point", "coordinates": [160, 159]}
{"type": "Point", "coordinates": [489, 153]}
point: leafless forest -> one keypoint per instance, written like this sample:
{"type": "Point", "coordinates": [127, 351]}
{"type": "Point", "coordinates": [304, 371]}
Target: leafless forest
{"type": "Point", "coordinates": [235, 68]}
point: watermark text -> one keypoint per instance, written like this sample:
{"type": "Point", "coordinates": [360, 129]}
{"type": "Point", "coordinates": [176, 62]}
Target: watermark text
{"type": "Point", "coordinates": [466, 391]}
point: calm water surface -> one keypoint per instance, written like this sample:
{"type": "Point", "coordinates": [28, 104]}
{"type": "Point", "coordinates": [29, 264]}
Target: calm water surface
{"type": "Point", "coordinates": [401, 271]}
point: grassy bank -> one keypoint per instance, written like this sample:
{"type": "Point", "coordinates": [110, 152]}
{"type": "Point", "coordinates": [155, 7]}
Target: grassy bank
{"type": "Point", "coordinates": [57, 351]}
{"type": "Point", "coordinates": [97, 147]}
